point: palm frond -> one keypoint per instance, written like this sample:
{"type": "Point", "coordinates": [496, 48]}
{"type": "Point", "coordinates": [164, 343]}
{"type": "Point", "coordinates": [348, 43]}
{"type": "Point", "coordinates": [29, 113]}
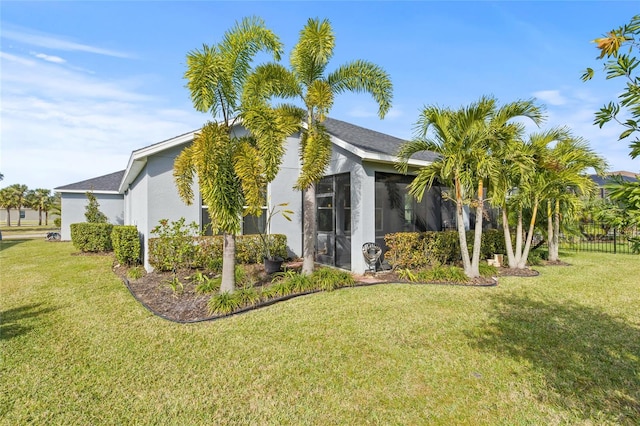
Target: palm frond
{"type": "Point", "coordinates": [310, 56]}
{"type": "Point", "coordinates": [364, 76]}
{"type": "Point", "coordinates": [249, 167]}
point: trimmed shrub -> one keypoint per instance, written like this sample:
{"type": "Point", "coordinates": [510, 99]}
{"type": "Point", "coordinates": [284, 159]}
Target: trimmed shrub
{"type": "Point", "coordinates": [174, 248]}
{"type": "Point", "coordinates": [417, 250]}
{"type": "Point", "coordinates": [92, 237]}
{"type": "Point", "coordinates": [205, 252]}
{"type": "Point", "coordinates": [249, 249]}
{"type": "Point", "coordinates": [126, 244]}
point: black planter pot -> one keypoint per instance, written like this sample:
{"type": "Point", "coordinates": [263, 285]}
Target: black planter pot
{"type": "Point", "coordinates": [271, 266]}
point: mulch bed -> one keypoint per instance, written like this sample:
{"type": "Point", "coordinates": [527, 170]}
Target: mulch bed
{"type": "Point", "coordinates": [153, 290]}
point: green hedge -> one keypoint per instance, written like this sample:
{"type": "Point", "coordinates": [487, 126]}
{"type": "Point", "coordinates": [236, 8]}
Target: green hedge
{"type": "Point", "coordinates": [126, 244]}
{"type": "Point", "coordinates": [92, 237]}
{"type": "Point", "coordinates": [421, 249]}
{"type": "Point", "coordinates": [207, 251]}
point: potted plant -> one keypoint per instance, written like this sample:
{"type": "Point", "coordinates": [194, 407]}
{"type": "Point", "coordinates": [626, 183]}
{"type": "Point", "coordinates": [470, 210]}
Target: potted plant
{"type": "Point", "coordinates": [273, 262]}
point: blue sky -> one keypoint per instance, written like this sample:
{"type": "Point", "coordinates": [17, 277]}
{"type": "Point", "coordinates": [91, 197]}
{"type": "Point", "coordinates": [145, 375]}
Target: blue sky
{"type": "Point", "coordinates": [85, 83]}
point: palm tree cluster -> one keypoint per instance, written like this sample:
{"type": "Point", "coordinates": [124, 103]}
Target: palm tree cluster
{"type": "Point", "coordinates": [17, 196]}
{"type": "Point", "coordinates": [484, 157]}
{"type": "Point", "coordinates": [233, 169]}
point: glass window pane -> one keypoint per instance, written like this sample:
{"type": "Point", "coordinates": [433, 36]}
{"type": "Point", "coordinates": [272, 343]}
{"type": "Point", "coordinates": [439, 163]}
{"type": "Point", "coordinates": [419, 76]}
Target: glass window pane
{"type": "Point", "coordinates": [252, 224]}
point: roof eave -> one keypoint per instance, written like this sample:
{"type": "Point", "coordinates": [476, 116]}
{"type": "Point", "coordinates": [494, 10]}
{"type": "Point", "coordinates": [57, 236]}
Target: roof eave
{"type": "Point", "coordinates": [375, 157]}
{"type": "Point", "coordinates": [84, 191]}
{"type": "Point", "coordinates": [138, 158]}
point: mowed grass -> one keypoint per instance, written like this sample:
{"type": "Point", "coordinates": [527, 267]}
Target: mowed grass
{"type": "Point", "coordinates": [561, 348]}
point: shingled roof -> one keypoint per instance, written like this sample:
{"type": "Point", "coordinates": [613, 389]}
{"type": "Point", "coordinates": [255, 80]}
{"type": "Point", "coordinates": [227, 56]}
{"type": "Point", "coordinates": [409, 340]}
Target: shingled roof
{"type": "Point", "coordinates": [106, 183]}
{"type": "Point", "coordinates": [370, 140]}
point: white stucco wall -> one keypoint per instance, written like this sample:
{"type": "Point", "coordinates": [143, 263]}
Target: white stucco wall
{"type": "Point", "coordinates": [281, 191]}
{"type": "Point", "coordinates": [74, 206]}
{"type": "Point", "coordinates": [153, 196]}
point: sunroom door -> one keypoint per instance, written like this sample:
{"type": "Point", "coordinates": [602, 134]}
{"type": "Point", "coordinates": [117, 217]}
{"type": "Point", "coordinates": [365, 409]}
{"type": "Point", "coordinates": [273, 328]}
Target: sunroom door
{"type": "Point", "coordinates": [333, 213]}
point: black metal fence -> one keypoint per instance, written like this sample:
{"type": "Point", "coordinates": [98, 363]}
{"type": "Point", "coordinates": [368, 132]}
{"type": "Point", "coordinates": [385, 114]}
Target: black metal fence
{"type": "Point", "coordinates": [600, 237]}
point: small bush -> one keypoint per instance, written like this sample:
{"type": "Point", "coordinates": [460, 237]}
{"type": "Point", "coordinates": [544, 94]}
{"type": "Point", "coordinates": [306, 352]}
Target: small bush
{"type": "Point", "coordinates": [278, 289]}
{"type": "Point", "coordinates": [247, 296]}
{"type": "Point", "coordinates": [224, 303]}
{"type": "Point", "coordinates": [443, 274]}
{"type": "Point", "coordinates": [175, 284]}
{"type": "Point", "coordinates": [174, 248]}
{"type": "Point", "coordinates": [299, 283]}
{"type": "Point", "coordinates": [328, 279]}
{"type": "Point", "coordinates": [487, 270]}
{"type": "Point", "coordinates": [126, 244]}
{"type": "Point", "coordinates": [92, 237]}
{"type": "Point", "coordinates": [204, 283]}
{"type": "Point", "coordinates": [136, 272]}
{"type": "Point", "coordinates": [57, 222]}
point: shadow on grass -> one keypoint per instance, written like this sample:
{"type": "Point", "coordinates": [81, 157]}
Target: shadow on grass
{"type": "Point", "coordinates": [590, 360]}
{"type": "Point", "coordinates": [12, 320]}
{"type": "Point", "coordinates": [6, 244]}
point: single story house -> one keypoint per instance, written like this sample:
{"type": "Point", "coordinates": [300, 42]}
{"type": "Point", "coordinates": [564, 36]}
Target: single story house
{"type": "Point", "coordinates": [361, 198]}
{"type": "Point", "coordinates": [602, 181]}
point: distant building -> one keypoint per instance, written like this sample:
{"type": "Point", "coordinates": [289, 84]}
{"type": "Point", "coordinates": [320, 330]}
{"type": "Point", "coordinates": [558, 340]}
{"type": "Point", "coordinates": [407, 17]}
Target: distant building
{"type": "Point", "coordinates": [602, 181]}
{"type": "Point", "coordinates": [27, 217]}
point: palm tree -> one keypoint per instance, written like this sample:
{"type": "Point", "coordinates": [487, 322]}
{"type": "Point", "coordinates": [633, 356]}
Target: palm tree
{"type": "Point", "coordinates": [309, 81]}
{"type": "Point", "coordinates": [567, 182]}
{"type": "Point", "coordinates": [232, 170]}
{"type": "Point", "coordinates": [19, 192]}
{"type": "Point", "coordinates": [37, 200]}
{"type": "Point", "coordinates": [467, 141]}
{"type": "Point", "coordinates": [524, 188]}
{"type": "Point", "coordinates": [8, 201]}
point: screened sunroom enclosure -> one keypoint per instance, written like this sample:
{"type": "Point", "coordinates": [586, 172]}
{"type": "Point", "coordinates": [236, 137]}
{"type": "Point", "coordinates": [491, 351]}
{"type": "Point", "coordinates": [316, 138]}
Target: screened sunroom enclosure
{"type": "Point", "coordinates": [395, 211]}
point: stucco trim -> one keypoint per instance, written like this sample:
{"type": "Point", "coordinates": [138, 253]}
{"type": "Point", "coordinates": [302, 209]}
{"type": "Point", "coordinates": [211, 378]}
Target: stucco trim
{"type": "Point", "coordinates": [138, 158]}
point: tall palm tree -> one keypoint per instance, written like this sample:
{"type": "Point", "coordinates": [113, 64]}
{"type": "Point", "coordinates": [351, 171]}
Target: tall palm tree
{"type": "Point", "coordinates": [524, 190]}
{"type": "Point", "coordinates": [568, 181]}
{"type": "Point", "coordinates": [8, 201]}
{"type": "Point", "coordinates": [229, 167]}
{"type": "Point", "coordinates": [37, 200]}
{"type": "Point", "coordinates": [310, 81]}
{"type": "Point", "coordinates": [20, 192]}
{"type": "Point", "coordinates": [466, 140]}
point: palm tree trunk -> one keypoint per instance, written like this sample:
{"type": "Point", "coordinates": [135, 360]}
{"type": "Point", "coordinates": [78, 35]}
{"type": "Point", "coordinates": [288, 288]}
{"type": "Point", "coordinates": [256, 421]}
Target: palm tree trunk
{"type": "Point", "coordinates": [8, 216]}
{"type": "Point", "coordinates": [462, 237]}
{"type": "Point", "coordinates": [309, 229]}
{"type": "Point", "coordinates": [507, 237]}
{"type": "Point", "coordinates": [556, 234]}
{"type": "Point", "coordinates": [228, 263]}
{"type": "Point", "coordinates": [527, 246]}
{"type": "Point", "coordinates": [477, 235]}
{"type": "Point", "coordinates": [550, 229]}
{"type": "Point", "coordinates": [518, 254]}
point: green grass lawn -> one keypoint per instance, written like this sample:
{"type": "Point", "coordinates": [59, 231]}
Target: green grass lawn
{"type": "Point", "coordinates": [561, 348]}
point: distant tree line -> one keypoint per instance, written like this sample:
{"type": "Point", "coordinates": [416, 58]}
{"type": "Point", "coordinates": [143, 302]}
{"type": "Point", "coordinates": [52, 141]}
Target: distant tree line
{"type": "Point", "coordinates": [19, 196]}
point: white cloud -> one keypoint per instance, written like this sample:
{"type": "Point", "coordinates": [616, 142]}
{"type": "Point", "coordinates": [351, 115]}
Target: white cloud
{"type": "Point", "coordinates": [552, 97]}
{"type": "Point", "coordinates": [55, 42]}
{"type": "Point", "coordinates": [61, 126]}
{"type": "Point", "coordinates": [49, 58]}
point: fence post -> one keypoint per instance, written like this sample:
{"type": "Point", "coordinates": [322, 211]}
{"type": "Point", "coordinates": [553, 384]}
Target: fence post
{"type": "Point", "coordinates": [615, 242]}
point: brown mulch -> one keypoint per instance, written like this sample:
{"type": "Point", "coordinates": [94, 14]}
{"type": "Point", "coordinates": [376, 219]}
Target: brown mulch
{"type": "Point", "coordinates": [153, 290]}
